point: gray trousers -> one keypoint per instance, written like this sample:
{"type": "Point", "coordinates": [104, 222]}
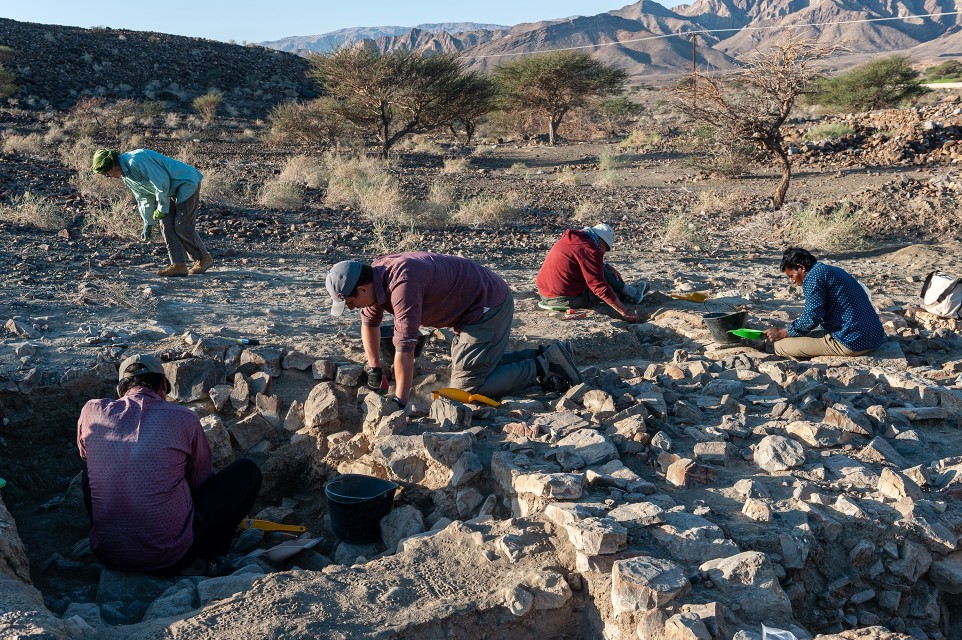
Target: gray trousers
{"type": "Point", "coordinates": [179, 230]}
{"type": "Point", "coordinates": [587, 299]}
{"type": "Point", "coordinates": [479, 363]}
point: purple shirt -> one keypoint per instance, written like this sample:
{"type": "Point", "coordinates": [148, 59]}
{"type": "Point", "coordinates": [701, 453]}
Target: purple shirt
{"type": "Point", "coordinates": [144, 455]}
{"type": "Point", "coordinates": [431, 290]}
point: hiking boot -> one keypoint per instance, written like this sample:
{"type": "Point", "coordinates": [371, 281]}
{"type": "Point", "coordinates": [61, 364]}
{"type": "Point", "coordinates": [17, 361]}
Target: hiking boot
{"type": "Point", "coordinates": [635, 293]}
{"type": "Point", "coordinates": [179, 269]}
{"type": "Point", "coordinates": [560, 362]}
{"type": "Point", "coordinates": [566, 344]}
{"type": "Point", "coordinates": [202, 265]}
{"type": "Point", "coordinates": [552, 383]}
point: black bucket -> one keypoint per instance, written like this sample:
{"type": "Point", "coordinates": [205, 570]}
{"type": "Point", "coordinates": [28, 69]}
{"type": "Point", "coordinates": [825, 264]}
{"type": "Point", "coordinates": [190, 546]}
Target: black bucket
{"type": "Point", "coordinates": [356, 504]}
{"type": "Point", "coordinates": [387, 342]}
{"type": "Point", "coordinates": [719, 323]}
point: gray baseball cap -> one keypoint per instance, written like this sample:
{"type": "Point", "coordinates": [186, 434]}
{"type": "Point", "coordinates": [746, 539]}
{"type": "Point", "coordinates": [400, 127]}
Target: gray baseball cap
{"type": "Point", "coordinates": [605, 232]}
{"type": "Point", "coordinates": [140, 364]}
{"type": "Point", "coordinates": [341, 280]}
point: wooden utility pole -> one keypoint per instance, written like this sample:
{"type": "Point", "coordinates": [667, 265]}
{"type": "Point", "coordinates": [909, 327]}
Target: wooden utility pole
{"type": "Point", "coordinates": [694, 71]}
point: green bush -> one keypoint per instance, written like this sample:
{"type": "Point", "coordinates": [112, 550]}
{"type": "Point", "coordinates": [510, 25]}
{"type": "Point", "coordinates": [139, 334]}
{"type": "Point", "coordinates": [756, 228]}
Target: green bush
{"type": "Point", "coordinates": [208, 104]}
{"type": "Point", "coordinates": [879, 84]}
{"type": "Point", "coordinates": [945, 72]}
{"type": "Point", "coordinates": [829, 131]}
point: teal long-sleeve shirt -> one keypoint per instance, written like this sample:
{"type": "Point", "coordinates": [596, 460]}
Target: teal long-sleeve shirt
{"type": "Point", "coordinates": [154, 179]}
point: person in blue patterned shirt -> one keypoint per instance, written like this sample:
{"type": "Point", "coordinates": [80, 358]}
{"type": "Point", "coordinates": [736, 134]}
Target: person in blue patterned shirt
{"type": "Point", "coordinates": [834, 300]}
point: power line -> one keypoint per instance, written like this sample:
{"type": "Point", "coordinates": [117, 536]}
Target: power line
{"type": "Point", "coordinates": [708, 31]}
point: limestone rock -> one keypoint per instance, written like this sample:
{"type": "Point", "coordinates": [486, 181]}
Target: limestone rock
{"type": "Point", "coordinates": [240, 394]}
{"type": "Point", "coordinates": [219, 439]}
{"type": "Point", "coordinates": [593, 447]}
{"type": "Point", "coordinates": [221, 588]}
{"type": "Point", "coordinates": [757, 510]}
{"type": "Point", "coordinates": [321, 409]}
{"type": "Point", "coordinates": [324, 370]}
{"type": "Point", "coordinates": [549, 589]}
{"type": "Point", "coordinates": [259, 382]}
{"type": "Point", "coordinates": [717, 452]}
{"type": "Point", "coordinates": [193, 378]}
{"type": "Point", "coordinates": [849, 419]}
{"type": "Point", "coordinates": [454, 415]}
{"type": "Point", "coordinates": [349, 375]}
{"type": "Point", "coordinates": [778, 453]}
{"type": "Point", "coordinates": [818, 434]}
{"type": "Point", "coordinates": [946, 574]}
{"type": "Point", "coordinates": [219, 395]}
{"type": "Point", "coordinates": [250, 431]}
{"type": "Point", "coordinates": [597, 536]}
{"type": "Point", "coordinates": [297, 360]}
{"type": "Point", "coordinates": [896, 486]}
{"type": "Point", "coordinates": [691, 538]}
{"type": "Point", "coordinates": [269, 407]}
{"type": "Point", "coordinates": [643, 583]}
{"type": "Point", "coordinates": [401, 523]}
{"type": "Point", "coordinates": [637, 514]}
{"type": "Point", "coordinates": [466, 469]}
{"type": "Point", "coordinates": [749, 579]}
{"type": "Point", "coordinates": [294, 420]}
{"type": "Point", "coordinates": [687, 473]}
{"type": "Point", "coordinates": [264, 358]}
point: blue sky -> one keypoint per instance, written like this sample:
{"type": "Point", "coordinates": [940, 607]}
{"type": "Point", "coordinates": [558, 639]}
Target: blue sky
{"type": "Point", "coordinates": [255, 21]}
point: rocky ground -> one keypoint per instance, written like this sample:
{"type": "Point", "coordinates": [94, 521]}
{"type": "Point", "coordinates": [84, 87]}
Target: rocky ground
{"type": "Point", "coordinates": [685, 490]}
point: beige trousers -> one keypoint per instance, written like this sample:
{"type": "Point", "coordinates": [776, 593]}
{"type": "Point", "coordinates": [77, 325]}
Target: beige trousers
{"type": "Point", "coordinates": [808, 348]}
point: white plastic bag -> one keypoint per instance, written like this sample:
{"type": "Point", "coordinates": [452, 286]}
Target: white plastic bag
{"type": "Point", "coordinates": [771, 633]}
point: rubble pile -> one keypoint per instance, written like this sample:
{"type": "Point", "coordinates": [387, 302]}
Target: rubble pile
{"type": "Point", "coordinates": [889, 137]}
{"type": "Point", "coordinates": [695, 498]}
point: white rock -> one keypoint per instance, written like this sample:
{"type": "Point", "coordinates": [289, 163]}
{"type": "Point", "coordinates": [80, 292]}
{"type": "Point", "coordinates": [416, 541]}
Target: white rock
{"type": "Point", "coordinates": [597, 536]}
{"type": "Point", "coordinates": [643, 583]}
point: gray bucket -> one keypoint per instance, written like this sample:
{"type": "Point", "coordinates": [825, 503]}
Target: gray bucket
{"type": "Point", "coordinates": [719, 323]}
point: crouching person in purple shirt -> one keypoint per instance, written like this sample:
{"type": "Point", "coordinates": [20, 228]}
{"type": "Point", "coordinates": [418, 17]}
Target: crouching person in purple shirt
{"type": "Point", "coordinates": [834, 301]}
{"type": "Point", "coordinates": [154, 504]}
{"type": "Point", "coordinates": [436, 290]}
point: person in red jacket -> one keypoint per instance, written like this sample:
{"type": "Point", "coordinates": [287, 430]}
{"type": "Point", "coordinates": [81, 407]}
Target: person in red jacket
{"type": "Point", "coordinates": [575, 275]}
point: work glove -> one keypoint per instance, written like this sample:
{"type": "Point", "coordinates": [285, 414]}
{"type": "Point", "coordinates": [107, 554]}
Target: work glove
{"type": "Point", "coordinates": [376, 380]}
{"type": "Point", "coordinates": [145, 234]}
{"type": "Point", "coordinates": [159, 215]}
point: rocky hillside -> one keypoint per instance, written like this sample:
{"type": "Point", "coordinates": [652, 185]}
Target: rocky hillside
{"type": "Point", "coordinates": [642, 28]}
{"type": "Point", "coordinates": [58, 65]}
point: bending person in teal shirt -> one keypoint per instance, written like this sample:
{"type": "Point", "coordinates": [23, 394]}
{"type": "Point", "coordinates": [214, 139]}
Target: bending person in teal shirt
{"type": "Point", "coordinates": [167, 191]}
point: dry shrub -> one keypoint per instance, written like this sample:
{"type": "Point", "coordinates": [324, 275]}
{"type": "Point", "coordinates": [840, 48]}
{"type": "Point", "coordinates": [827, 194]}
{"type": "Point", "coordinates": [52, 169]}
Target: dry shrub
{"type": "Point", "coordinates": [436, 210]}
{"type": "Point", "coordinates": [365, 184]}
{"type": "Point", "coordinates": [278, 194]}
{"type": "Point", "coordinates": [207, 105]}
{"type": "Point", "coordinates": [680, 230]}
{"type": "Point", "coordinates": [519, 169]}
{"type": "Point", "coordinates": [306, 171]}
{"type": "Point", "coordinates": [588, 211]}
{"type": "Point", "coordinates": [837, 230]}
{"type": "Point", "coordinates": [608, 178]}
{"type": "Point", "coordinates": [712, 201]}
{"type": "Point", "coordinates": [35, 211]}
{"type": "Point", "coordinates": [188, 153]}
{"type": "Point", "coordinates": [568, 177]}
{"type": "Point", "coordinates": [220, 188]}
{"type": "Point", "coordinates": [608, 161]}
{"type": "Point", "coordinates": [116, 218]}
{"type": "Point", "coordinates": [643, 139]}
{"type": "Point", "coordinates": [55, 135]}
{"type": "Point", "coordinates": [30, 144]}
{"type": "Point", "coordinates": [484, 211]}
{"type": "Point", "coordinates": [428, 146]}
{"type": "Point", "coordinates": [456, 165]}
{"type": "Point", "coordinates": [113, 293]}
{"type": "Point", "coordinates": [829, 131]}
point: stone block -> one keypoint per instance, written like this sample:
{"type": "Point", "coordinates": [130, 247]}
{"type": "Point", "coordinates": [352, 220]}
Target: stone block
{"type": "Point", "coordinates": [321, 410]}
{"type": "Point", "coordinates": [749, 579]}
{"type": "Point", "coordinates": [401, 523]}
{"type": "Point", "coordinates": [193, 378]}
{"type": "Point", "coordinates": [456, 414]}
{"type": "Point", "coordinates": [265, 358]}
{"type": "Point", "coordinates": [597, 536]}
{"type": "Point", "coordinates": [250, 431]}
{"type": "Point", "coordinates": [324, 370]}
{"type": "Point", "coordinates": [778, 453]}
{"type": "Point", "coordinates": [716, 452]}
{"type": "Point", "coordinates": [643, 583]}
{"type": "Point", "coordinates": [688, 473]}
{"type": "Point", "coordinates": [592, 446]}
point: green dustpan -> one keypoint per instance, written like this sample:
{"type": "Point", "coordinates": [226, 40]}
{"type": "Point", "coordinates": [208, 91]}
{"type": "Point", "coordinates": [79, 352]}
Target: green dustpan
{"type": "Point", "coordinates": [748, 334]}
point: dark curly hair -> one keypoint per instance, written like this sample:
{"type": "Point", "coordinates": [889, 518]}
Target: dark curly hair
{"type": "Point", "coordinates": [795, 257]}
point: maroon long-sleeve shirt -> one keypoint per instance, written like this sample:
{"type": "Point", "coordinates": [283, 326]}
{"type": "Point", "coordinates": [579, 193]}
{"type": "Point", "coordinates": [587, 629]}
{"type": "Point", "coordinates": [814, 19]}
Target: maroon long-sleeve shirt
{"type": "Point", "coordinates": [574, 265]}
{"type": "Point", "coordinates": [431, 290]}
{"type": "Point", "coordinates": [144, 455]}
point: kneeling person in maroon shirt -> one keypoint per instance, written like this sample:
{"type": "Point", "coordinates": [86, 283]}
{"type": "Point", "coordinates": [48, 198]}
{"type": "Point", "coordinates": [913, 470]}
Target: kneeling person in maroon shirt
{"type": "Point", "coordinates": [153, 501]}
{"type": "Point", "coordinates": [575, 275]}
{"type": "Point", "coordinates": [436, 290]}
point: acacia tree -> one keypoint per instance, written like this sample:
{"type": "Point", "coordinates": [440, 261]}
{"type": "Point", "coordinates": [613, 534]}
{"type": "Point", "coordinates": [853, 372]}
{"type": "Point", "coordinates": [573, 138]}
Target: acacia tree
{"type": "Point", "coordinates": [754, 104]}
{"type": "Point", "coordinates": [552, 84]}
{"type": "Point", "coordinates": [476, 99]}
{"type": "Point", "coordinates": [391, 95]}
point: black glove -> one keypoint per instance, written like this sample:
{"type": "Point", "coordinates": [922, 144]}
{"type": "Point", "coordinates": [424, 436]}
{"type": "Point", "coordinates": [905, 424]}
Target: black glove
{"type": "Point", "coordinates": [145, 234]}
{"type": "Point", "coordinates": [375, 377]}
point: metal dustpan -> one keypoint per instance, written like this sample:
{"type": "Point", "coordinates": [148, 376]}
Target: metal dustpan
{"type": "Point", "coordinates": [748, 334]}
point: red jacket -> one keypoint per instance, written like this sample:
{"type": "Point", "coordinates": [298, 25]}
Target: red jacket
{"type": "Point", "coordinates": [573, 265]}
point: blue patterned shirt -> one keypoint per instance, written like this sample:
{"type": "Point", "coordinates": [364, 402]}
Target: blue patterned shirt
{"type": "Point", "coordinates": [836, 301]}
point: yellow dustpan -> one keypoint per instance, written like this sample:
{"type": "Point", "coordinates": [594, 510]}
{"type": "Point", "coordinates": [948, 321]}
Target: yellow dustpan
{"type": "Point", "coordinates": [464, 396]}
{"type": "Point", "coordinates": [692, 296]}
{"type": "Point", "coordinates": [267, 525]}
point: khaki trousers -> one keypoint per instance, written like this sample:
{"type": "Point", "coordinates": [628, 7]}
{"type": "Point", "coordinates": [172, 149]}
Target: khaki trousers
{"type": "Point", "coordinates": [808, 348]}
{"type": "Point", "coordinates": [179, 230]}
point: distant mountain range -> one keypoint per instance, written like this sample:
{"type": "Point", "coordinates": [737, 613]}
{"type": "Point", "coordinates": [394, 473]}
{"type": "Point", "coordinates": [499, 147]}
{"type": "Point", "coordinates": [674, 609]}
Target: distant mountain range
{"type": "Point", "coordinates": [642, 39]}
{"type": "Point", "coordinates": [327, 42]}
